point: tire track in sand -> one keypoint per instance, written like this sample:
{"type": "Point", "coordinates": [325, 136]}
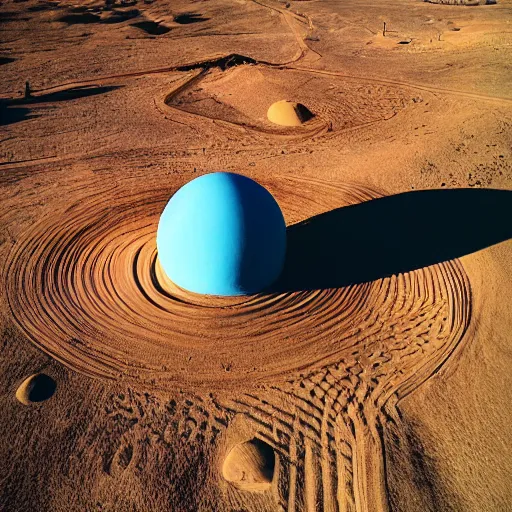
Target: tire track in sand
{"type": "Point", "coordinates": [327, 368]}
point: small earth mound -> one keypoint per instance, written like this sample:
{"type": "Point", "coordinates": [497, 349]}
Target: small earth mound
{"type": "Point", "coordinates": [288, 113]}
{"type": "Point", "coordinates": [250, 466]}
{"type": "Point", "coordinates": [36, 388]}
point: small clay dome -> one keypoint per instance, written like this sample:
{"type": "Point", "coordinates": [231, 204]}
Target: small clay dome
{"type": "Point", "coordinates": [36, 388]}
{"type": "Point", "coordinates": [288, 113]}
{"type": "Point", "coordinates": [250, 466]}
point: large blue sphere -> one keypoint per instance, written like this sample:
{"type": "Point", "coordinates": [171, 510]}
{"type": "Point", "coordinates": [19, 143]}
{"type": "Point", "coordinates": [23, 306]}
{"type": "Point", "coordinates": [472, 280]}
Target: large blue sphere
{"type": "Point", "coordinates": [222, 234]}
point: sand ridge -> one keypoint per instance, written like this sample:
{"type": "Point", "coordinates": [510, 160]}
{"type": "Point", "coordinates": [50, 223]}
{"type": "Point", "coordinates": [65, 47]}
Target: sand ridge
{"type": "Point", "coordinates": [333, 104]}
{"type": "Point", "coordinates": [346, 373]}
{"type": "Point", "coordinates": [104, 268]}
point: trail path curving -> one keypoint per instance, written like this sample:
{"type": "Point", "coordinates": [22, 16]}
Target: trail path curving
{"type": "Point", "coordinates": [83, 285]}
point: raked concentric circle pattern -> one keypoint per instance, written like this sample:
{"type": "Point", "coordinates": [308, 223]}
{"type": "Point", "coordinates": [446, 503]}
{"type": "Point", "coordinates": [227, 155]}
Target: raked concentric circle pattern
{"type": "Point", "coordinates": [85, 287]}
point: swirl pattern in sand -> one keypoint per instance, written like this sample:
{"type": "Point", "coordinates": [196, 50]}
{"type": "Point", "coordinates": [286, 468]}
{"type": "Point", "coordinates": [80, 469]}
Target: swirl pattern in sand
{"type": "Point", "coordinates": [85, 287]}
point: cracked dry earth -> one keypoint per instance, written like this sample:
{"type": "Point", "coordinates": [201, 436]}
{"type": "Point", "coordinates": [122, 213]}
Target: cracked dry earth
{"type": "Point", "coordinates": [374, 376]}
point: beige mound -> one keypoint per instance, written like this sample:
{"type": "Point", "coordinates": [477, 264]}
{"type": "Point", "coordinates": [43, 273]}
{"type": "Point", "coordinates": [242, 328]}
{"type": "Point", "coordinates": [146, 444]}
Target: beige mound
{"type": "Point", "coordinates": [288, 113]}
{"type": "Point", "coordinates": [36, 388]}
{"type": "Point", "coordinates": [250, 466]}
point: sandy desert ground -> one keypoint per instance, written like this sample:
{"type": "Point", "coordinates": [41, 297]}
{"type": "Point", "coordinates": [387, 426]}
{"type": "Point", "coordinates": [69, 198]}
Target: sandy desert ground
{"type": "Point", "coordinates": [375, 375]}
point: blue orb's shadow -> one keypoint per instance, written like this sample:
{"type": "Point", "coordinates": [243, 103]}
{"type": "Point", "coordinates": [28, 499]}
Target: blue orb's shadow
{"type": "Point", "coordinates": [391, 235]}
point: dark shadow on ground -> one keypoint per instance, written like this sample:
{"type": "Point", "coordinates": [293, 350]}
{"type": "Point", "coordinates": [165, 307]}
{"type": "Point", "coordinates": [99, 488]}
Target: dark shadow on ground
{"type": "Point", "coordinates": [44, 7]}
{"type": "Point", "coordinates": [12, 111]}
{"type": "Point", "coordinates": [10, 115]}
{"type": "Point", "coordinates": [82, 18]}
{"type": "Point", "coordinates": [80, 9]}
{"type": "Point", "coordinates": [6, 60]}
{"type": "Point", "coordinates": [186, 18]}
{"type": "Point", "coordinates": [42, 388]}
{"type": "Point", "coordinates": [304, 113]}
{"type": "Point", "coordinates": [151, 27]}
{"type": "Point", "coordinates": [412, 475]}
{"type": "Point", "coordinates": [394, 234]}
{"type": "Point", "coordinates": [10, 16]}
{"type": "Point", "coordinates": [67, 95]}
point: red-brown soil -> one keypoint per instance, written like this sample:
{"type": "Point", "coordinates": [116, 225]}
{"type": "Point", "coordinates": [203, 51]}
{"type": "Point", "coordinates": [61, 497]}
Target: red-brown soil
{"type": "Point", "coordinates": [375, 374]}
